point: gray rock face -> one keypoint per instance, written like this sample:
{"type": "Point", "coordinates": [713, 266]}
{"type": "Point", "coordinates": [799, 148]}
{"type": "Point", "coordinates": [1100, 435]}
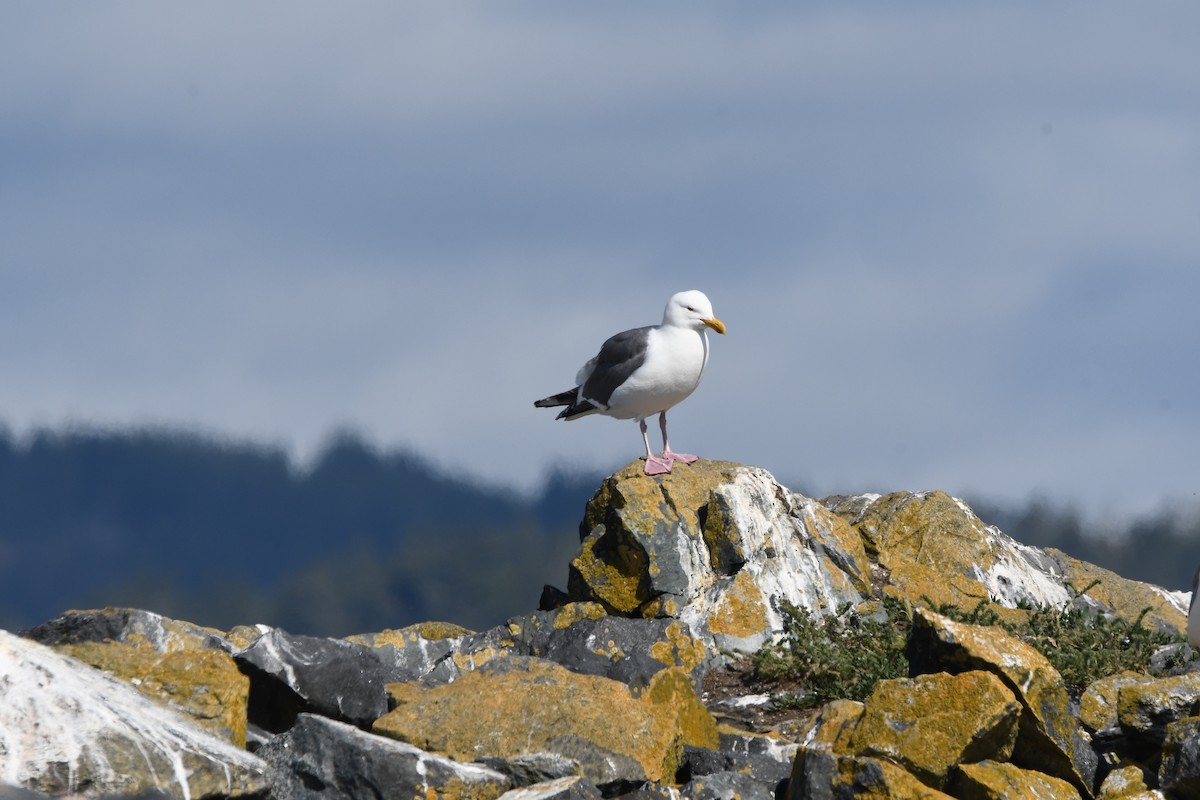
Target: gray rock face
{"type": "Point", "coordinates": [119, 625]}
{"type": "Point", "coordinates": [1179, 772]}
{"type": "Point", "coordinates": [572, 788]}
{"type": "Point", "coordinates": [533, 768]}
{"type": "Point", "coordinates": [68, 728]}
{"type": "Point", "coordinates": [629, 650]}
{"type": "Point", "coordinates": [723, 785]}
{"type": "Point", "coordinates": [291, 674]}
{"type": "Point", "coordinates": [321, 759]}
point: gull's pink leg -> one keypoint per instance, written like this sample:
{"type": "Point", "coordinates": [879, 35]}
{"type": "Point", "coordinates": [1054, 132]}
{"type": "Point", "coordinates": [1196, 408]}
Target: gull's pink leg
{"type": "Point", "coordinates": [654, 464]}
{"type": "Point", "coordinates": [668, 456]}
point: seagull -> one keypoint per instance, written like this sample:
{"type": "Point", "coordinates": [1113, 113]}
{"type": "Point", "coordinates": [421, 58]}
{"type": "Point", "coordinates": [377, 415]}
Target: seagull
{"type": "Point", "coordinates": [645, 371]}
{"type": "Point", "coordinates": [1193, 625]}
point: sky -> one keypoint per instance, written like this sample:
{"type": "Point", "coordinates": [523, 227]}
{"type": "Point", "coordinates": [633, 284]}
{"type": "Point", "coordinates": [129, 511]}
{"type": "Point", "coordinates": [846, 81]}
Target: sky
{"type": "Point", "coordinates": [956, 246]}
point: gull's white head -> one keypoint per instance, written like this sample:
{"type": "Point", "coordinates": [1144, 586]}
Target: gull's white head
{"type": "Point", "coordinates": [693, 310]}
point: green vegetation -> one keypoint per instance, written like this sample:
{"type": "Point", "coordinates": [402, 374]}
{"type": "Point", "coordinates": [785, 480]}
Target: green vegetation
{"type": "Point", "coordinates": [844, 655]}
{"type": "Point", "coordinates": [839, 656]}
{"type": "Point", "coordinates": [1083, 646]}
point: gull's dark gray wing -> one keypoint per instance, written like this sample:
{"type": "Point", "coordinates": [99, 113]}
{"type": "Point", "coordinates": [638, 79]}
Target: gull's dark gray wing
{"type": "Point", "coordinates": [619, 357]}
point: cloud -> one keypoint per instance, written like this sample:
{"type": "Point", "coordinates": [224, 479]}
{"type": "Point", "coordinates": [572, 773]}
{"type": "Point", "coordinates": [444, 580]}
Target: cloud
{"type": "Point", "coordinates": [955, 245]}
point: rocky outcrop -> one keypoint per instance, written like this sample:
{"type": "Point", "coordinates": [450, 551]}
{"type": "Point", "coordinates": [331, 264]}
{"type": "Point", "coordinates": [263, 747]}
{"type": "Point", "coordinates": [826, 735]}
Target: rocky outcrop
{"type": "Point", "coordinates": [719, 546]}
{"type": "Point", "coordinates": [180, 664]}
{"type": "Point", "coordinates": [1052, 739]}
{"type": "Point", "coordinates": [517, 705]}
{"type": "Point", "coordinates": [67, 728]}
{"type": "Point", "coordinates": [600, 691]}
{"type": "Point", "coordinates": [320, 758]}
{"type": "Point", "coordinates": [723, 547]}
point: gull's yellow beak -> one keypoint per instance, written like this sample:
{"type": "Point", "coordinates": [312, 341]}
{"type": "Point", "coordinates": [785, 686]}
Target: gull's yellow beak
{"type": "Point", "coordinates": [715, 324]}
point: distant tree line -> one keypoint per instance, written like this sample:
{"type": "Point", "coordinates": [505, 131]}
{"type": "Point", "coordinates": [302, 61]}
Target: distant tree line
{"type": "Point", "coordinates": [224, 533]}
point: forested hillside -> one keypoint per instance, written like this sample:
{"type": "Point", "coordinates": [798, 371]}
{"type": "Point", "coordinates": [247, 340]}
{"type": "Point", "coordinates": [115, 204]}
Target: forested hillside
{"type": "Point", "coordinates": [223, 533]}
{"type": "Point", "coordinates": [228, 533]}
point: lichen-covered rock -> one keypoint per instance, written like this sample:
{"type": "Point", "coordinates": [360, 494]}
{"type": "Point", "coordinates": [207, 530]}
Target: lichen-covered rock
{"type": "Point", "coordinates": [931, 723]}
{"type": "Point", "coordinates": [1098, 705]}
{"type": "Point", "coordinates": [878, 779]}
{"type": "Point", "coordinates": [933, 546]}
{"type": "Point", "coordinates": [130, 626]}
{"type": "Point", "coordinates": [834, 726]}
{"type": "Point", "coordinates": [1179, 772]}
{"type": "Point", "coordinates": [629, 650]}
{"type": "Point", "coordinates": [321, 758]}
{"type": "Point", "coordinates": [991, 780]}
{"type": "Point", "coordinates": [1049, 737]}
{"type": "Point", "coordinates": [513, 706]}
{"type": "Point", "coordinates": [291, 674]}
{"type": "Point", "coordinates": [1122, 597]}
{"type": "Point", "coordinates": [717, 545]}
{"type": "Point", "coordinates": [1127, 783]}
{"type": "Point", "coordinates": [1145, 709]}
{"type": "Point", "coordinates": [177, 663]}
{"type": "Point", "coordinates": [66, 727]}
{"type": "Point", "coordinates": [416, 651]}
{"type": "Point", "coordinates": [205, 685]}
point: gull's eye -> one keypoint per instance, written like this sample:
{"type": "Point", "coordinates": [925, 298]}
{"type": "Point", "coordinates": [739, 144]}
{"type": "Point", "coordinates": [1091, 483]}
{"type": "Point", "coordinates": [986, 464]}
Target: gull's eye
{"type": "Point", "coordinates": [689, 308]}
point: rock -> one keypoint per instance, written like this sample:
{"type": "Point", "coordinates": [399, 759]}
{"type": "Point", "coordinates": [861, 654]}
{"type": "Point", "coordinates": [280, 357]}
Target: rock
{"type": "Point", "coordinates": [871, 778]}
{"type": "Point", "coordinates": [725, 785]}
{"type": "Point", "coordinates": [514, 706]}
{"type": "Point", "coordinates": [932, 545]}
{"type": "Point", "coordinates": [205, 685]}
{"type": "Point", "coordinates": [580, 636]}
{"type": "Point", "coordinates": [567, 788]}
{"type": "Point", "coordinates": [631, 651]}
{"type": "Point", "coordinates": [529, 769]}
{"type": "Point", "coordinates": [416, 651]}
{"type": "Point", "coordinates": [1098, 705]}
{"type": "Point", "coordinates": [290, 674]}
{"type": "Point", "coordinates": [125, 625]}
{"type": "Point", "coordinates": [813, 774]}
{"type": "Point", "coordinates": [1127, 783]}
{"type": "Point", "coordinates": [835, 725]}
{"type": "Point", "coordinates": [1179, 772]}
{"type": "Point", "coordinates": [818, 774]}
{"type": "Point", "coordinates": [990, 780]}
{"type": "Point", "coordinates": [1125, 598]}
{"type": "Point", "coordinates": [717, 545]}
{"type": "Point", "coordinates": [177, 663]}
{"type": "Point", "coordinates": [1145, 709]}
{"type": "Point", "coordinates": [321, 758]}
{"type": "Point", "coordinates": [931, 723]}
{"type": "Point", "coordinates": [69, 728]}
{"type": "Point", "coordinates": [746, 765]}
{"type": "Point", "coordinates": [1049, 737]}
{"type": "Point", "coordinates": [766, 757]}
{"type": "Point", "coordinates": [650, 791]}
